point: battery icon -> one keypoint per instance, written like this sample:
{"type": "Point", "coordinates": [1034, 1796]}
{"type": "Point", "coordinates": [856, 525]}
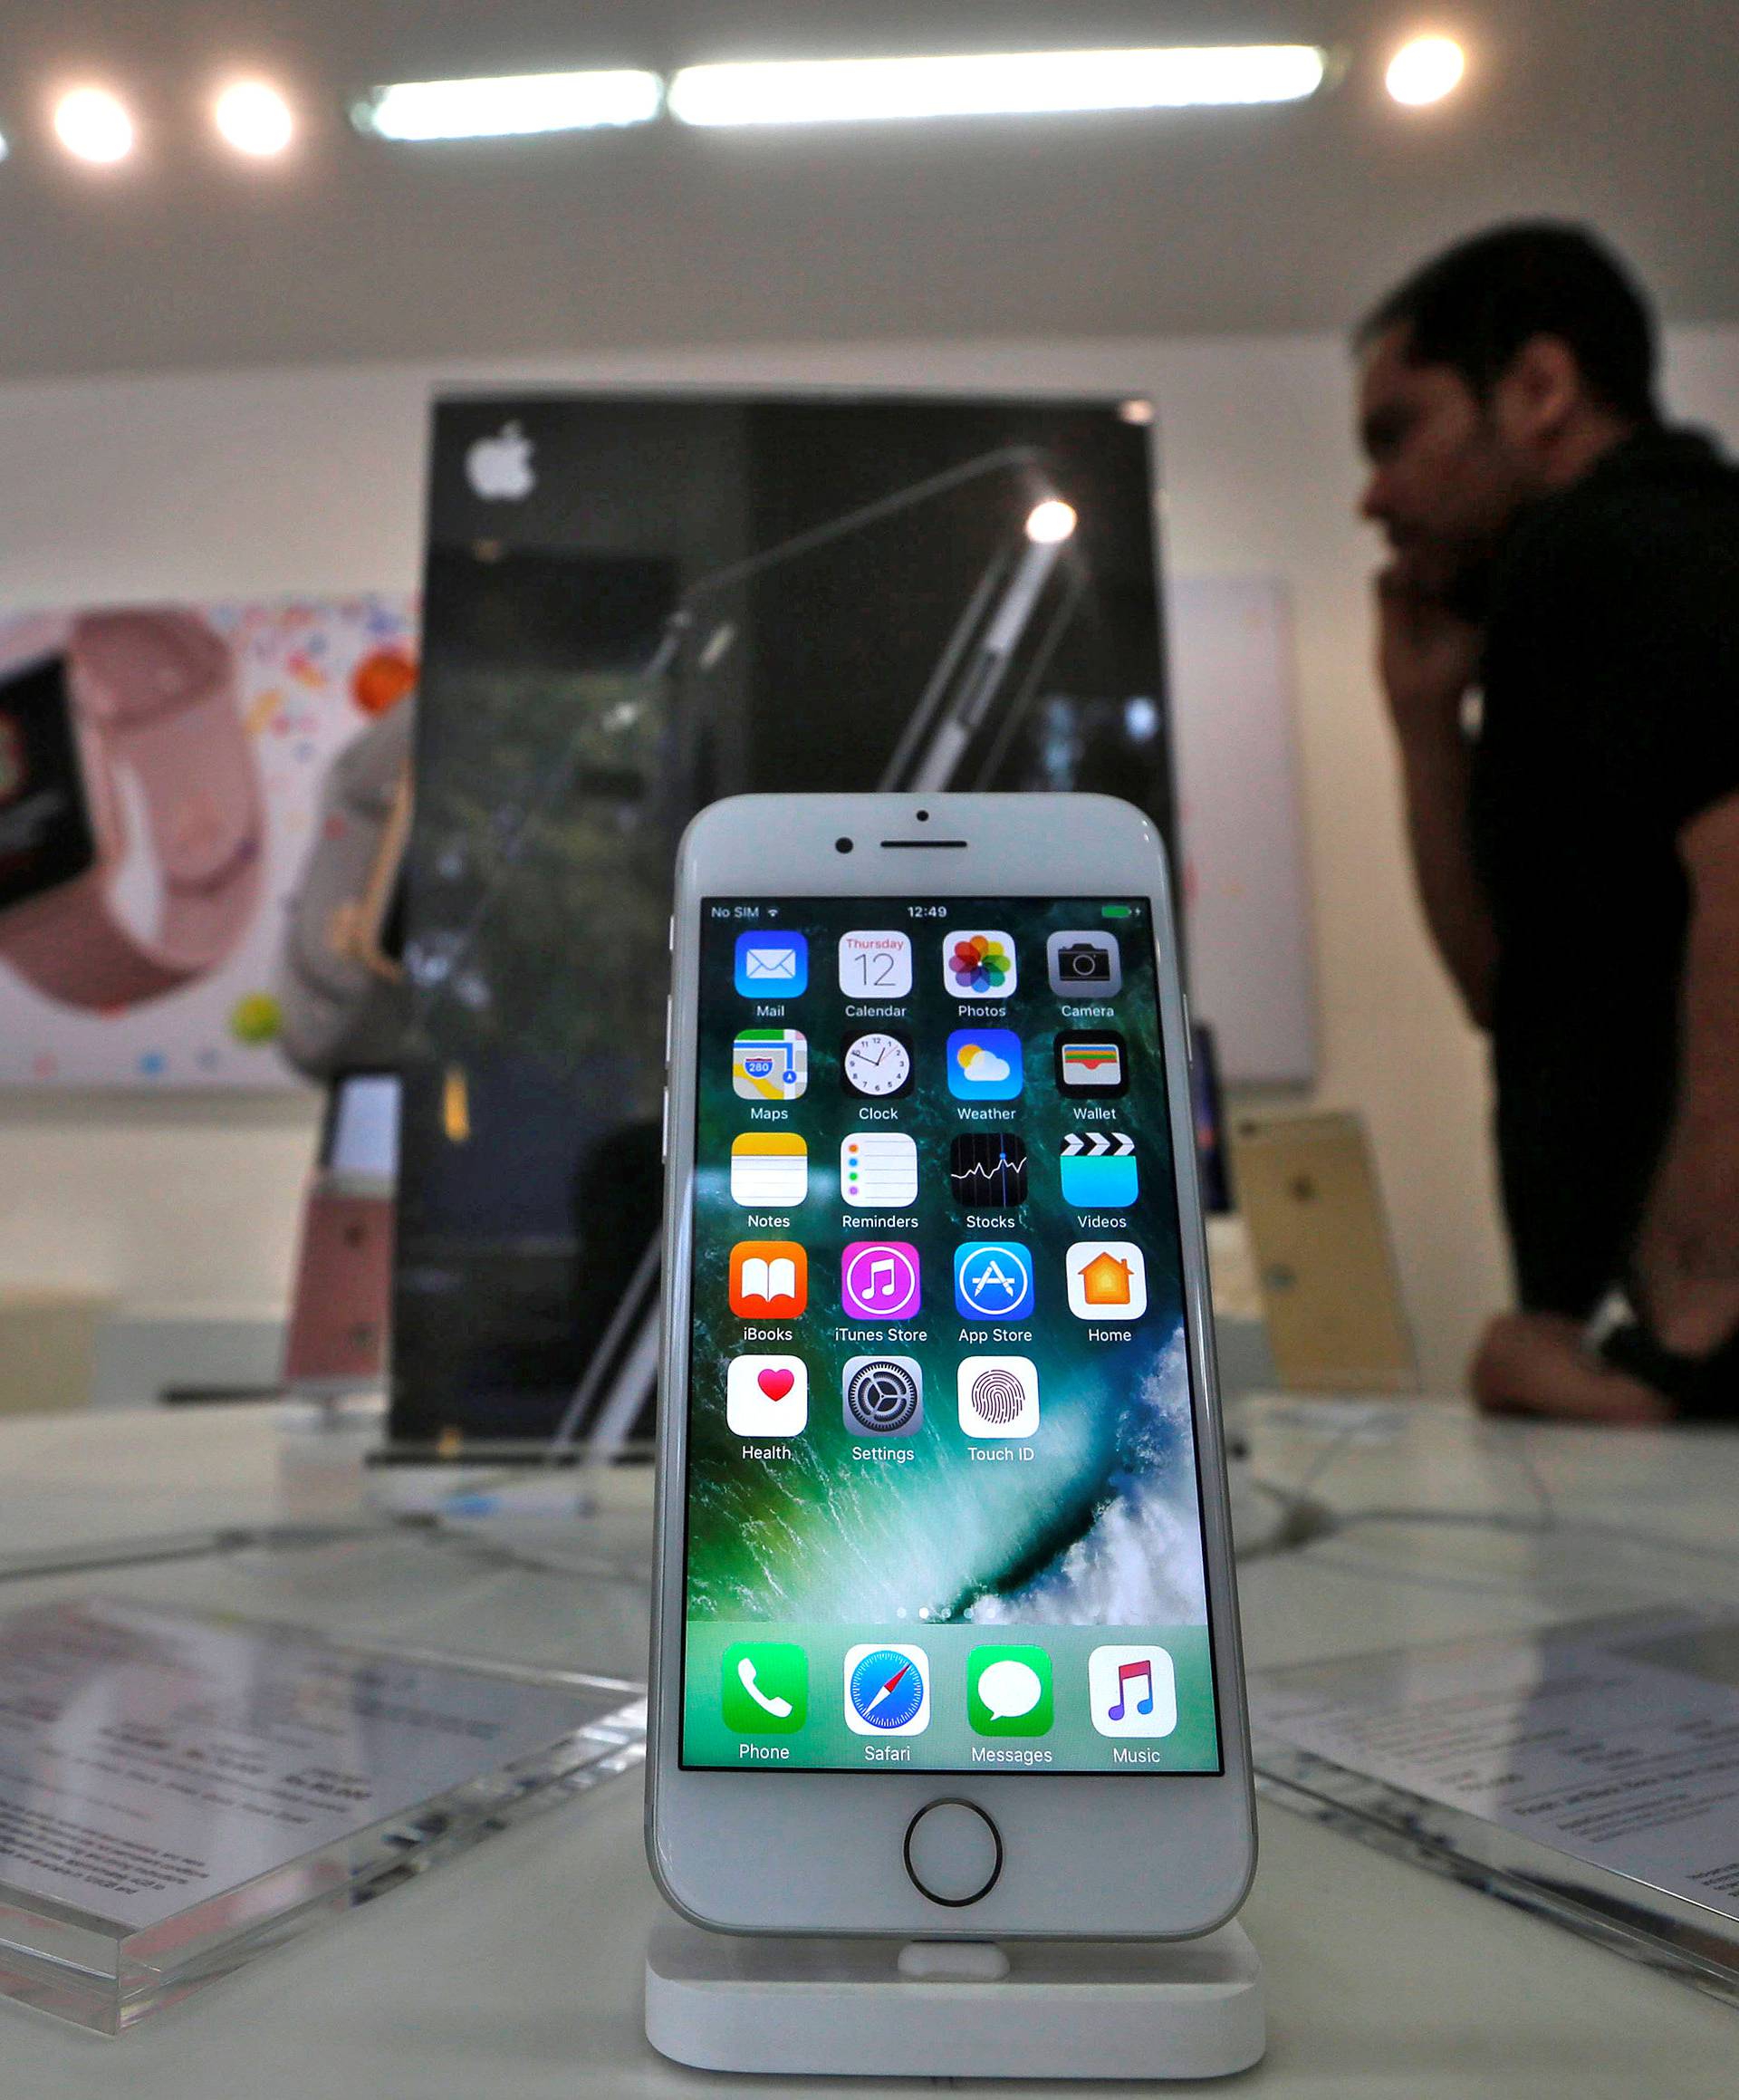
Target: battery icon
{"type": "Point", "coordinates": [1115, 911]}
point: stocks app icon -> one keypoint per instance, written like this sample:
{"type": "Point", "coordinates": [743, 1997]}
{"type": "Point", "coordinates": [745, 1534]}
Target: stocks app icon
{"type": "Point", "coordinates": [883, 1395]}
{"type": "Point", "coordinates": [988, 1169]}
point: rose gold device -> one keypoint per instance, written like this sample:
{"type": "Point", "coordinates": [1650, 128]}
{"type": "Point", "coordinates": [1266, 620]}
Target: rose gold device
{"type": "Point", "coordinates": [147, 692]}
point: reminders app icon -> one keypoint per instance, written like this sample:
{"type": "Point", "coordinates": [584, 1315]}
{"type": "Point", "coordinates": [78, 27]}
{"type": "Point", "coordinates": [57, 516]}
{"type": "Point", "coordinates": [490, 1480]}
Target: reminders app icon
{"type": "Point", "coordinates": [772, 966]}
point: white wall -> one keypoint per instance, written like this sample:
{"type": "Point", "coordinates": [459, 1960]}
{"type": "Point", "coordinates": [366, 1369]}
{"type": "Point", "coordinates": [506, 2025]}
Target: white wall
{"type": "Point", "coordinates": [268, 481]}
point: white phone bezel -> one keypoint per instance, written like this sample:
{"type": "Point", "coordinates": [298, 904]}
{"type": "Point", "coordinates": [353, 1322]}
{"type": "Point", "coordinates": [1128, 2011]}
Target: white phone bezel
{"type": "Point", "coordinates": [1122, 1855]}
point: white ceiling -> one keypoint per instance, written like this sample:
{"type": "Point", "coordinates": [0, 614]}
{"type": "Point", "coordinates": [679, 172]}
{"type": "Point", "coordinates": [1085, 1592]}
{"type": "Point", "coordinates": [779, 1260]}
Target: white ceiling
{"type": "Point", "coordinates": [1625, 112]}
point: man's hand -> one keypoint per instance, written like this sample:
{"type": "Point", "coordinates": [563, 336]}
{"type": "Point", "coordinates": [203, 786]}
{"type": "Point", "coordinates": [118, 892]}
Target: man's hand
{"type": "Point", "coordinates": [1534, 1364]}
{"type": "Point", "coordinates": [1427, 658]}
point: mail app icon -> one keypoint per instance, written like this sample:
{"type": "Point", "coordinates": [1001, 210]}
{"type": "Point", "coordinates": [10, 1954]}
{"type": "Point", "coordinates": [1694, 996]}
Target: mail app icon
{"type": "Point", "coordinates": [772, 966]}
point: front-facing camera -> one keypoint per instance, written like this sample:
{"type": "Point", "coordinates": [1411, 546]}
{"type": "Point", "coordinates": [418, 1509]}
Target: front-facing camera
{"type": "Point", "coordinates": [841, 845]}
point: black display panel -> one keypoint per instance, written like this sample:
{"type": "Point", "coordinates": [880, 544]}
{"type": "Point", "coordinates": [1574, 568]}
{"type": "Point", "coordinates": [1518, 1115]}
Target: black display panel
{"type": "Point", "coordinates": [45, 832]}
{"type": "Point", "coordinates": [635, 606]}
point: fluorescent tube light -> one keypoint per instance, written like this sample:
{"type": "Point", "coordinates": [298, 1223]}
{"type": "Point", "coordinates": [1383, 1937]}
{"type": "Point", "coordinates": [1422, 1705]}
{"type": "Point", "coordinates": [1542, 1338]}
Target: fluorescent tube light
{"type": "Point", "coordinates": [1001, 84]}
{"type": "Point", "coordinates": [513, 106]}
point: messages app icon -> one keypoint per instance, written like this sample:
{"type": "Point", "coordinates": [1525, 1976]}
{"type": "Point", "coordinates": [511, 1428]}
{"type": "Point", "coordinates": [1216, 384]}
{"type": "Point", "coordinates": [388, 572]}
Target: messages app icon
{"type": "Point", "coordinates": [772, 966]}
{"type": "Point", "coordinates": [1008, 1691]}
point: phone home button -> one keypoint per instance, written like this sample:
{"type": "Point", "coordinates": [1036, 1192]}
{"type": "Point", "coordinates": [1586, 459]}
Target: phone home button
{"type": "Point", "coordinates": [954, 1852]}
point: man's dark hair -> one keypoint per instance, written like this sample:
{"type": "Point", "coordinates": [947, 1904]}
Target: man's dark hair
{"type": "Point", "coordinates": [1474, 306]}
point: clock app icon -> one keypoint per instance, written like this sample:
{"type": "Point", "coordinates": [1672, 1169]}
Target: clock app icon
{"type": "Point", "coordinates": [877, 1063]}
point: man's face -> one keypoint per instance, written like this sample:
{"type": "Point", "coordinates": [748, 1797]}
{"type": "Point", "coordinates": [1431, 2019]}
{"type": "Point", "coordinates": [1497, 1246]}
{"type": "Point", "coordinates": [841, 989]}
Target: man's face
{"type": "Point", "coordinates": [1444, 483]}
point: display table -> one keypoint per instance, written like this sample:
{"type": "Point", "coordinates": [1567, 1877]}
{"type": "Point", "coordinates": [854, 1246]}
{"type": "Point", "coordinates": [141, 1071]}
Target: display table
{"type": "Point", "coordinates": [516, 1969]}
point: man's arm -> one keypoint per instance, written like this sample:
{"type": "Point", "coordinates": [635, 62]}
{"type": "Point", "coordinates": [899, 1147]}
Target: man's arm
{"type": "Point", "coordinates": [1687, 1255]}
{"type": "Point", "coordinates": [1428, 659]}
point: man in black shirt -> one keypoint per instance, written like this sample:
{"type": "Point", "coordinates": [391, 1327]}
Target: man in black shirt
{"type": "Point", "coordinates": [1558, 647]}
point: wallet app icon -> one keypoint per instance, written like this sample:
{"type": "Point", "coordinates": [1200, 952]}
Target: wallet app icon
{"type": "Point", "coordinates": [772, 966]}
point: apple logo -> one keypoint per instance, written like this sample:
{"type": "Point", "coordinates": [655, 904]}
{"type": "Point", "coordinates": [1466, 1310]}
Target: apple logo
{"type": "Point", "coordinates": [500, 468]}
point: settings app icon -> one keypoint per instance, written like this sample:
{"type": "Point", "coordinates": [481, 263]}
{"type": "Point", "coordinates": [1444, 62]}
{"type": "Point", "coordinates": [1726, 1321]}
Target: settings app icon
{"type": "Point", "coordinates": [884, 1395]}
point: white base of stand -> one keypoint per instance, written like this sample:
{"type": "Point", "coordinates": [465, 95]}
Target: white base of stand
{"type": "Point", "coordinates": [1033, 2008]}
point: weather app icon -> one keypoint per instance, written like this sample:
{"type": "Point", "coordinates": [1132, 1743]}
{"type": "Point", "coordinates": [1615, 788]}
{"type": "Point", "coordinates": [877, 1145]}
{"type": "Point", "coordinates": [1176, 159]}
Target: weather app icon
{"type": "Point", "coordinates": [992, 1280]}
{"type": "Point", "coordinates": [983, 1065]}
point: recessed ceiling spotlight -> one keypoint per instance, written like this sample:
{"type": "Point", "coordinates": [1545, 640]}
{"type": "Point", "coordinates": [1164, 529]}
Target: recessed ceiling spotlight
{"type": "Point", "coordinates": [1136, 410]}
{"type": "Point", "coordinates": [1425, 70]}
{"type": "Point", "coordinates": [1049, 523]}
{"type": "Point", "coordinates": [993, 84]}
{"type": "Point", "coordinates": [513, 106]}
{"type": "Point", "coordinates": [254, 118]}
{"type": "Point", "coordinates": [93, 125]}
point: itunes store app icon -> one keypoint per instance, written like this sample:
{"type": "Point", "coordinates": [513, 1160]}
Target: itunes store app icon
{"type": "Point", "coordinates": [879, 1279]}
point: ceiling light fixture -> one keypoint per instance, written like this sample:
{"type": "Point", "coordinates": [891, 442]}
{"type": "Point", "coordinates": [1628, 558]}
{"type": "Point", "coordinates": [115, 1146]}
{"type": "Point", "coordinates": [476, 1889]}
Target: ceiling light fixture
{"type": "Point", "coordinates": [1425, 70]}
{"type": "Point", "coordinates": [93, 125]}
{"type": "Point", "coordinates": [1049, 523]}
{"type": "Point", "coordinates": [513, 106]}
{"type": "Point", "coordinates": [987, 84]}
{"type": "Point", "coordinates": [254, 118]}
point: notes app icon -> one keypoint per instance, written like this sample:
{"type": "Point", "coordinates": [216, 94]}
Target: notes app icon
{"type": "Point", "coordinates": [1132, 1691]}
{"type": "Point", "coordinates": [769, 1171]}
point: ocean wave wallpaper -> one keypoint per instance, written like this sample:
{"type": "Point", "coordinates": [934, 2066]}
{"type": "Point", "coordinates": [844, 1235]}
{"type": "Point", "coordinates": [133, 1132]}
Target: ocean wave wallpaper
{"type": "Point", "coordinates": [939, 1397]}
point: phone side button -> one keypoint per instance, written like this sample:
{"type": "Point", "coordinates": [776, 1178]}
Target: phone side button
{"type": "Point", "coordinates": [954, 1852]}
{"type": "Point", "coordinates": [664, 1128]}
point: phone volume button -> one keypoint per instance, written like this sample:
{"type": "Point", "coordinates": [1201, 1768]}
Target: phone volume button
{"type": "Point", "coordinates": [669, 1015]}
{"type": "Point", "coordinates": [664, 1129]}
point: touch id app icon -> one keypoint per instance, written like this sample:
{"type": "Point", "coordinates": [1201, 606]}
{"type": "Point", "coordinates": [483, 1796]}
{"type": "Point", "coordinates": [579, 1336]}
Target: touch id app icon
{"type": "Point", "coordinates": [998, 1396]}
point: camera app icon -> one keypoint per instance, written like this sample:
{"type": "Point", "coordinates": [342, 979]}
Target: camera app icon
{"type": "Point", "coordinates": [1084, 963]}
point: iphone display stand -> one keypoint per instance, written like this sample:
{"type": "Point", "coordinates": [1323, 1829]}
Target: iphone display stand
{"type": "Point", "coordinates": [951, 2008]}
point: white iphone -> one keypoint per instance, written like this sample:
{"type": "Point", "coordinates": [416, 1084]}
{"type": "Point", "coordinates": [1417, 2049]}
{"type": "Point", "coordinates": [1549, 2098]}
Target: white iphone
{"type": "Point", "coordinates": [945, 1640]}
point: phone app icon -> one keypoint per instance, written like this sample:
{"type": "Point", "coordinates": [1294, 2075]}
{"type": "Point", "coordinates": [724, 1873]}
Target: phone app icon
{"type": "Point", "coordinates": [998, 1396]}
{"type": "Point", "coordinates": [1132, 1691]}
{"type": "Point", "coordinates": [979, 966]}
{"type": "Point", "coordinates": [769, 1171]}
{"type": "Point", "coordinates": [1084, 964]}
{"type": "Point", "coordinates": [766, 1690]}
{"type": "Point", "coordinates": [1108, 1280]}
{"type": "Point", "coordinates": [883, 1396]}
{"type": "Point", "coordinates": [886, 1689]}
{"type": "Point", "coordinates": [877, 1063]}
{"type": "Point", "coordinates": [769, 1279]}
{"type": "Point", "coordinates": [1098, 1169]}
{"type": "Point", "coordinates": [766, 1396]}
{"type": "Point", "coordinates": [769, 1063]}
{"type": "Point", "coordinates": [879, 1280]}
{"type": "Point", "coordinates": [876, 965]}
{"type": "Point", "coordinates": [879, 1170]}
{"type": "Point", "coordinates": [772, 966]}
{"type": "Point", "coordinates": [1008, 1691]}
{"type": "Point", "coordinates": [992, 1280]}
{"type": "Point", "coordinates": [987, 1170]}
{"type": "Point", "coordinates": [985, 1064]}
{"type": "Point", "coordinates": [1092, 1063]}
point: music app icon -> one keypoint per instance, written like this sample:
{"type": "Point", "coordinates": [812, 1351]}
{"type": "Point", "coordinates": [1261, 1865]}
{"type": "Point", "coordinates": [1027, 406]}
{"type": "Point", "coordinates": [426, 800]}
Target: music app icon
{"type": "Point", "coordinates": [1132, 1691]}
{"type": "Point", "coordinates": [879, 1279]}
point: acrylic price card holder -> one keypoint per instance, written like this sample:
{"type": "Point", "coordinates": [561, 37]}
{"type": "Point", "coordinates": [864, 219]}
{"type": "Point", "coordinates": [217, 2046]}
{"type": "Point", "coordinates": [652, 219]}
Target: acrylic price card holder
{"type": "Point", "coordinates": [181, 1790]}
{"type": "Point", "coordinates": [1584, 1772]}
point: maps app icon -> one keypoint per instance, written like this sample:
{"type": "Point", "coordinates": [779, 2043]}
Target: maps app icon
{"type": "Point", "coordinates": [769, 1063]}
{"type": "Point", "coordinates": [1099, 1170]}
